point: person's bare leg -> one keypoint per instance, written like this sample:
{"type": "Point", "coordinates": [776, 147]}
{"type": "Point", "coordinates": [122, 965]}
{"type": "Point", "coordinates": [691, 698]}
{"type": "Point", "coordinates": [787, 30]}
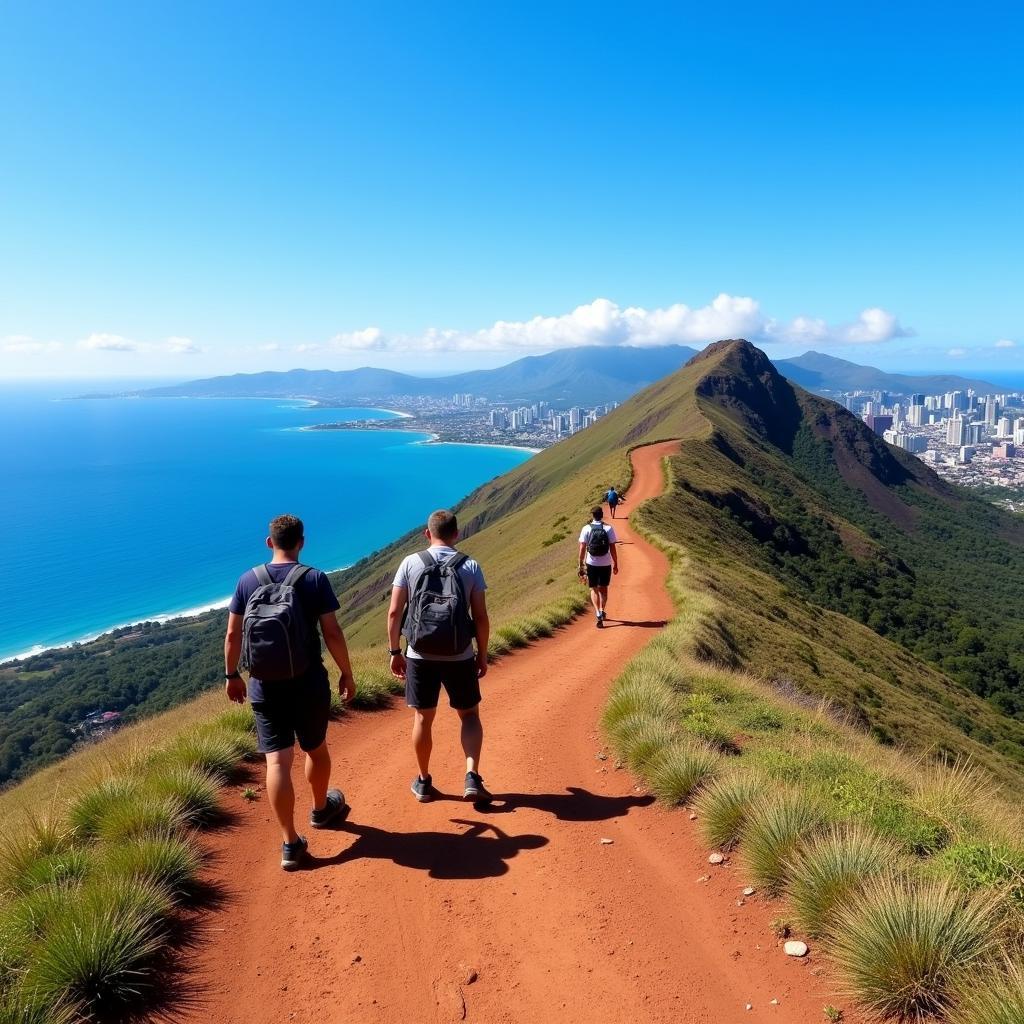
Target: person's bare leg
{"type": "Point", "coordinates": [318, 774]}
{"type": "Point", "coordinates": [472, 735]}
{"type": "Point", "coordinates": [602, 593]}
{"type": "Point", "coordinates": [280, 791]}
{"type": "Point", "coordinates": [422, 737]}
{"type": "Point", "coordinates": [595, 600]}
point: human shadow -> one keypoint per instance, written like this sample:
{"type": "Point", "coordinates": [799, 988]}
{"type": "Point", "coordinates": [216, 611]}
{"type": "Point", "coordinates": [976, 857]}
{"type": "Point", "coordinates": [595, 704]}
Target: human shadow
{"type": "Point", "coordinates": [482, 851]}
{"type": "Point", "coordinates": [635, 623]}
{"type": "Point", "coordinates": [575, 804]}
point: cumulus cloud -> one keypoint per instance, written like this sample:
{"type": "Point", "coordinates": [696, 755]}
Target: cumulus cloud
{"type": "Point", "coordinates": [26, 345]}
{"type": "Point", "coordinates": [603, 322]}
{"type": "Point", "coordinates": [108, 343]}
{"type": "Point", "coordinates": [957, 353]}
{"type": "Point", "coordinates": [1005, 343]}
{"type": "Point", "coordinates": [182, 346]}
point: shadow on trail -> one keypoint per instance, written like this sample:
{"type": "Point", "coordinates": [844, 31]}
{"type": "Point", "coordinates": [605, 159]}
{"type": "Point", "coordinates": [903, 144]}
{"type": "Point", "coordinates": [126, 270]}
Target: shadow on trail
{"type": "Point", "coordinates": [574, 805]}
{"type": "Point", "coordinates": [482, 851]}
{"type": "Point", "coordinates": [636, 623]}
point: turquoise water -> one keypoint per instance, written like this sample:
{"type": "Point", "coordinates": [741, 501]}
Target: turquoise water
{"type": "Point", "coordinates": [118, 510]}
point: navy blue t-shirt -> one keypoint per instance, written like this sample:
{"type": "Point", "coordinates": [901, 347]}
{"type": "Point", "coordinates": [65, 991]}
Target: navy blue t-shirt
{"type": "Point", "coordinates": [317, 597]}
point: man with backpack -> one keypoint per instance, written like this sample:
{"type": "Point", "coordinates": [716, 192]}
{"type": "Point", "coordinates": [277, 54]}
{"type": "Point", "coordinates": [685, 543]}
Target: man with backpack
{"type": "Point", "coordinates": [272, 632]}
{"type": "Point", "coordinates": [613, 498]}
{"type": "Point", "coordinates": [438, 605]}
{"type": "Point", "coordinates": [598, 560]}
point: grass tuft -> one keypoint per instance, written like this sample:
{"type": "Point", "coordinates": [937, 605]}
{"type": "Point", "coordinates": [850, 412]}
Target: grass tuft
{"type": "Point", "coordinates": [89, 809]}
{"type": "Point", "coordinates": [195, 793]}
{"type": "Point", "coordinates": [723, 807]}
{"type": "Point", "coordinates": [141, 815]}
{"type": "Point", "coordinates": [824, 872]}
{"type": "Point", "coordinates": [992, 997]}
{"type": "Point", "coordinates": [775, 825]}
{"type": "Point", "coordinates": [905, 946]}
{"type": "Point", "coordinates": [217, 752]}
{"type": "Point", "coordinates": [162, 860]}
{"type": "Point", "coordinates": [639, 737]}
{"type": "Point", "coordinates": [680, 769]}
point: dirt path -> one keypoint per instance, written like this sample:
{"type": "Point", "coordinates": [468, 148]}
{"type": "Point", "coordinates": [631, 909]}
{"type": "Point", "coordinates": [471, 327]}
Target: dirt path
{"type": "Point", "coordinates": [405, 900]}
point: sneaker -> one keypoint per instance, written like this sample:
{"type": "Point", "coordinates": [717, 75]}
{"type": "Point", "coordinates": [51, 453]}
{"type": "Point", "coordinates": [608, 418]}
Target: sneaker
{"type": "Point", "coordinates": [335, 806]}
{"type": "Point", "coordinates": [475, 790]}
{"type": "Point", "coordinates": [600, 621]}
{"type": "Point", "coordinates": [293, 854]}
{"type": "Point", "coordinates": [422, 789]}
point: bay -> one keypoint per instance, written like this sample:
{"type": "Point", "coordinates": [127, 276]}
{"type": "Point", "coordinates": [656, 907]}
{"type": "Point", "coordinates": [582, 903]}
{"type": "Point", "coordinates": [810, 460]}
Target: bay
{"type": "Point", "coordinates": [121, 510]}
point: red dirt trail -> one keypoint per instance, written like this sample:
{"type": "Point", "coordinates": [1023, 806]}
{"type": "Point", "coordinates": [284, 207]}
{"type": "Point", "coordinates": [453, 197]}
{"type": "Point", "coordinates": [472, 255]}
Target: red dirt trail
{"type": "Point", "coordinates": [406, 902]}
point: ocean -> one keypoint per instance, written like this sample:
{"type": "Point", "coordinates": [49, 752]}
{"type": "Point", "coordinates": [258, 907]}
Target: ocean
{"type": "Point", "coordinates": [120, 510]}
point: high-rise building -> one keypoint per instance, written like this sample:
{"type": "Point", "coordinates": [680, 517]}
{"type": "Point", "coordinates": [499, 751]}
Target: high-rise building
{"type": "Point", "coordinates": [956, 430]}
{"type": "Point", "coordinates": [915, 415]}
{"type": "Point", "coordinates": [878, 423]}
{"type": "Point", "coordinates": [1018, 431]}
{"type": "Point", "coordinates": [991, 410]}
{"type": "Point", "coordinates": [966, 454]}
{"type": "Point", "coordinates": [1003, 451]}
{"type": "Point", "coordinates": [1005, 427]}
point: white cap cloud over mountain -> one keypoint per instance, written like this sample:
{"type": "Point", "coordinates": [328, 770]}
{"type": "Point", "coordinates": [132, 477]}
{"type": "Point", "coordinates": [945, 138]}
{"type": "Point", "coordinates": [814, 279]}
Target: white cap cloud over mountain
{"type": "Point", "coordinates": [604, 322]}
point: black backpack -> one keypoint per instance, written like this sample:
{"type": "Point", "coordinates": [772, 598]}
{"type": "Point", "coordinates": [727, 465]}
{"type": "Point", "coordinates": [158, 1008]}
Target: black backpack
{"type": "Point", "coordinates": [276, 633]}
{"type": "Point", "coordinates": [437, 619]}
{"type": "Point", "coordinates": [597, 542]}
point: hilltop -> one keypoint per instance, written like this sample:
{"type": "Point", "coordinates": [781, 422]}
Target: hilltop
{"type": "Point", "coordinates": [818, 371]}
{"type": "Point", "coordinates": [591, 375]}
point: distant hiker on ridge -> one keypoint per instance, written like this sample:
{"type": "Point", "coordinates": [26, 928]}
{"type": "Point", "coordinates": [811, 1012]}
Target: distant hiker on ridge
{"type": "Point", "coordinates": [598, 560]}
{"type": "Point", "coordinates": [272, 631]}
{"type": "Point", "coordinates": [438, 605]}
{"type": "Point", "coordinates": [613, 498]}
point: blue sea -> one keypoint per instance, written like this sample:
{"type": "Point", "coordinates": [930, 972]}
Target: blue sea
{"type": "Point", "coordinates": [119, 510]}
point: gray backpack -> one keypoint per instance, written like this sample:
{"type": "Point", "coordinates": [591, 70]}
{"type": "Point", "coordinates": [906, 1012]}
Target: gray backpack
{"type": "Point", "coordinates": [276, 635]}
{"type": "Point", "coordinates": [437, 619]}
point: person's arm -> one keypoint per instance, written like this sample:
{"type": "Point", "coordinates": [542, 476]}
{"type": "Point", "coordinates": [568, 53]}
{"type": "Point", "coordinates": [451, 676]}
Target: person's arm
{"type": "Point", "coordinates": [478, 605]}
{"type": "Point", "coordinates": [234, 688]}
{"type": "Point", "coordinates": [583, 555]}
{"type": "Point", "coordinates": [399, 599]}
{"type": "Point", "coordinates": [334, 639]}
{"type": "Point", "coordinates": [613, 548]}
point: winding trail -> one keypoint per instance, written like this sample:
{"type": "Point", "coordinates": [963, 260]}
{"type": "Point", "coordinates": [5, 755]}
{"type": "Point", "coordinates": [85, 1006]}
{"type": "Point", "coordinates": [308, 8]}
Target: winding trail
{"type": "Point", "coordinates": [405, 902]}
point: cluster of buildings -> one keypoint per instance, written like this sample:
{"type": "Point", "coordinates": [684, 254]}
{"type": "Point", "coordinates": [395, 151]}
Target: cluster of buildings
{"type": "Point", "coordinates": [541, 418]}
{"type": "Point", "coordinates": [967, 437]}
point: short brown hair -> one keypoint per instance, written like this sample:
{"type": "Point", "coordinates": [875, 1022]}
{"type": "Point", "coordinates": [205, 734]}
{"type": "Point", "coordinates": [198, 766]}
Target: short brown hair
{"type": "Point", "coordinates": [597, 512]}
{"type": "Point", "coordinates": [443, 525]}
{"type": "Point", "coordinates": [286, 532]}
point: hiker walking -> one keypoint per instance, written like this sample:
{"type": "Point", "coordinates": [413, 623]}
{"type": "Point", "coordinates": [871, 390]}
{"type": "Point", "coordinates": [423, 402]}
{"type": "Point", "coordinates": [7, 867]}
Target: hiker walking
{"type": "Point", "coordinates": [613, 498]}
{"type": "Point", "coordinates": [598, 560]}
{"type": "Point", "coordinates": [272, 632]}
{"type": "Point", "coordinates": [438, 605]}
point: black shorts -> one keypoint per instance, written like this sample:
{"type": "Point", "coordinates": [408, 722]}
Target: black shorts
{"type": "Point", "coordinates": [424, 679]}
{"type": "Point", "coordinates": [599, 575]}
{"type": "Point", "coordinates": [293, 709]}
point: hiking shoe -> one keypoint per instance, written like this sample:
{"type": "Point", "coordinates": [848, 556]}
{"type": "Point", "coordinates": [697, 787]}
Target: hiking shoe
{"type": "Point", "coordinates": [335, 806]}
{"type": "Point", "coordinates": [422, 789]}
{"type": "Point", "coordinates": [475, 790]}
{"type": "Point", "coordinates": [600, 621]}
{"type": "Point", "coordinates": [293, 854]}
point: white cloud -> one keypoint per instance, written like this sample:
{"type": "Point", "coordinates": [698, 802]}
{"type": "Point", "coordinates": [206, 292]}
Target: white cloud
{"type": "Point", "coordinates": [270, 346]}
{"type": "Point", "coordinates": [957, 353]}
{"type": "Point", "coordinates": [108, 343]}
{"type": "Point", "coordinates": [308, 348]}
{"type": "Point", "coordinates": [1005, 343]}
{"type": "Point", "coordinates": [25, 345]}
{"type": "Point", "coordinates": [603, 322]}
{"type": "Point", "coordinates": [182, 346]}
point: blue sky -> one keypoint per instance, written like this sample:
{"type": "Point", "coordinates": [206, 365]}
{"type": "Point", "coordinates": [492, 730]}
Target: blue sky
{"type": "Point", "coordinates": [189, 189]}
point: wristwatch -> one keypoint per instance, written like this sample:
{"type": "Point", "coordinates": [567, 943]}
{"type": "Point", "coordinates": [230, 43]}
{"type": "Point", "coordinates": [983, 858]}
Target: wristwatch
{"type": "Point", "coordinates": [232, 675]}
{"type": "Point", "coordinates": [394, 653]}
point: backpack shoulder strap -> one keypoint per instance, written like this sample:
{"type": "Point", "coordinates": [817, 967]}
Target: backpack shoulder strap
{"type": "Point", "coordinates": [295, 574]}
{"type": "Point", "coordinates": [262, 576]}
{"type": "Point", "coordinates": [427, 559]}
{"type": "Point", "coordinates": [456, 561]}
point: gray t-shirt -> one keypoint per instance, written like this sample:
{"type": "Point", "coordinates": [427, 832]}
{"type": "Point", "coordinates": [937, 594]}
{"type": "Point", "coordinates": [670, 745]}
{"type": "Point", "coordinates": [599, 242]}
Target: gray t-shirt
{"type": "Point", "coordinates": [470, 573]}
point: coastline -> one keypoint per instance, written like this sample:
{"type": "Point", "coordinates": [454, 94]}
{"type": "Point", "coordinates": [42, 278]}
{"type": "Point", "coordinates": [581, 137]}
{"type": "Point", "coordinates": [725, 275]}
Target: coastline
{"type": "Point", "coordinates": [163, 618]}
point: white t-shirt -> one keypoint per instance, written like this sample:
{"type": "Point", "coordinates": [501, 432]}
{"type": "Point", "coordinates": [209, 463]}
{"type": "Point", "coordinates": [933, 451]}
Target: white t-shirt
{"type": "Point", "coordinates": [612, 539]}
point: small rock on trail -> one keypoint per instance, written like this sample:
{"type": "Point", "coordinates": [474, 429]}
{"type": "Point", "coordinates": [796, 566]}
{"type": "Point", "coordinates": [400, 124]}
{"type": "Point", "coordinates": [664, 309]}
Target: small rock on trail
{"type": "Point", "coordinates": [795, 948]}
{"type": "Point", "coordinates": [716, 858]}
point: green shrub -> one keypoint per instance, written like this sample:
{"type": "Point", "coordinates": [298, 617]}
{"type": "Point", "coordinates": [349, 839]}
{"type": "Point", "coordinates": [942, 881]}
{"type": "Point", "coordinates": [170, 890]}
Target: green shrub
{"type": "Point", "coordinates": [89, 809]}
{"type": "Point", "coordinates": [195, 793]}
{"type": "Point", "coordinates": [639, 737]}
{"type": "Point", "coordinates": [905, 946]}
{"type": "Point", "coordinates": [775, 824]}
{"type": "Point", "coordinates": [94, 956]}
{"type": "Point", "coordinates": [992, 997]}
{"type": "Point", "coordinates": [976, 865]}
{"type": "Point", "coordinates": [829, 867]}
{"type": "Point", "coordinates": [677, 771]}
{"type": "Point", "coordinates": [761, 718]}
{"type": "Point", "coordinates": [723, 806]}
{"type": "Point", "coordinates": [163, 860]}
{"type": "Point", "coordinates": [914, 830]}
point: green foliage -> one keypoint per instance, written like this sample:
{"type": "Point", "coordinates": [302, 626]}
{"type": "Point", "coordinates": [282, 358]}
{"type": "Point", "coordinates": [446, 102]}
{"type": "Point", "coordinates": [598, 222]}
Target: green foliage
{"type": "Point", "coordinates": [977, 865]}
{"type": "Point", "coordinates": [193, 792]}
{"type": "Point", "coordinates": [215, 752]}
{"type": "Point", "coordinates": [723, 808]}
{"type": "Point", "coordinates": [680, 769]}
{"type": "Point", "coordinates": [639, 738]}
{"type": "Point", "coordinates": [88, 810]}
{"type": "Point", "coordinates": [992, 997]}
{"type": "Point", "coordinates": [905, 946]}
{"type": "Point", "coordinates": [164, 860]}
{"type": "Point", "coordinates": [824, 872]}
{"type": "Point", "coordinates": [775, 824]}
{"type": "Point", "coordinates": [60, 868]}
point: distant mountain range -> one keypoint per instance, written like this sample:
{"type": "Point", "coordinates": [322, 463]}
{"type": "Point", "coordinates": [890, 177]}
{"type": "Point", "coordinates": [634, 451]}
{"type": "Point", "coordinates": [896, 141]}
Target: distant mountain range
{"type": "Point", "coordinates": [590, 375]}
{"type": "Point", "coordinates": [817, 371]}
{"type": "Point", "coordinates": [574, 376]}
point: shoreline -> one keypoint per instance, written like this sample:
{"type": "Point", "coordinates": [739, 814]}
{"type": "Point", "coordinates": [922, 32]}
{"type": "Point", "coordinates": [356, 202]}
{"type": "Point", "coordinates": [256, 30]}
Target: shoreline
{"type": "Point", "coordinates": [432, 438]}
{"type": "Point", "coordinates": [162, 618]}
